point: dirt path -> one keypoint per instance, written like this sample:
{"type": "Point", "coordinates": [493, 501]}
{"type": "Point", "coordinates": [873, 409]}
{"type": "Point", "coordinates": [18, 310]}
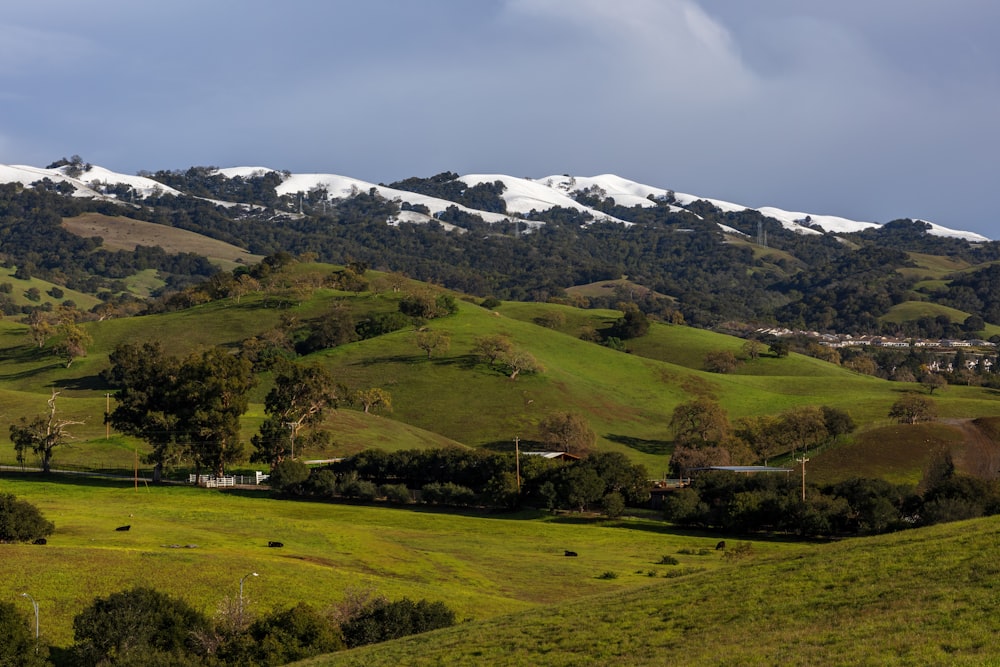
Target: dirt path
{"type": "Point", "coordinates": [979, 455]}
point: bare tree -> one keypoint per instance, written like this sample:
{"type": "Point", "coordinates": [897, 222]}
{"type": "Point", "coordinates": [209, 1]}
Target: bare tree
{"type": "Point", "coordinates": [41, 435]}
{"type": "Point", "coordinates": [432, 342]}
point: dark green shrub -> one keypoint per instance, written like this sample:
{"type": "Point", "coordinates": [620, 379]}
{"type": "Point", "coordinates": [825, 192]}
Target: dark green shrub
{"type": "Point", "coordinates": [668, 560]}
{"type": "Point", "coordinates": [20, 521]}
{"type": "Point", "coordinates": [359, 488]}
{"type": "Point", "coordinates": [321, 483]}
{"type": "Point", "coordinates": [138, 626]}
{"type": "Point", "coordinates": [17, 638]}
{"type": "Point", "coordinates": [288, 476]}
{"type": "Point", "coordinates": [382, 621]}
{"type": "Point", "coordinates": [283, 636]}
{"type": "Point", "coordinates": [447, 493]}
{"type": "Point", "coordinates": [396, 493]}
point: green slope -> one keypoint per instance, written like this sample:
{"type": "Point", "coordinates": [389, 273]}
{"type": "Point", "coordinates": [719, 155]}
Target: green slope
{"type": "Point", "coordinates": [923, 597]}
{"type": "Point", "coordinates": [628, 398]}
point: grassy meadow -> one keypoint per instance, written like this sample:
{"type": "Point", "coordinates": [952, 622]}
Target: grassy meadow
{"type": "Point", "coordinates": [198, 543]}
{"type": "Point", "coordinates": [922, 597]}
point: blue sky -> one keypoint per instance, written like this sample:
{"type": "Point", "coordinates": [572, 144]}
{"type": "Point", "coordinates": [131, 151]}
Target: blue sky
{"type": "Point", "coordinates": [867, 109]}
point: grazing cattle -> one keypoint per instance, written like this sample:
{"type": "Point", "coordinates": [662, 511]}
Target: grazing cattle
{"type": "Point", "coordinates": [569, 553]}
{"type": "Point", "coordinates": [720, 546]}
{"type": "Point", "coordinates": [122, 528]}
{"type": "Point", "coordinates": [41, 540]}
{"type": "Point", "coordinates": [275, 544]}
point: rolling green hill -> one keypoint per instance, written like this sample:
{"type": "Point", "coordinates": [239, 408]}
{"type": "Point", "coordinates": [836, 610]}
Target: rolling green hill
{"type": "Point", "coordinates": [628, 398]}
{"type": "Point", "coordinates": [922, 597]}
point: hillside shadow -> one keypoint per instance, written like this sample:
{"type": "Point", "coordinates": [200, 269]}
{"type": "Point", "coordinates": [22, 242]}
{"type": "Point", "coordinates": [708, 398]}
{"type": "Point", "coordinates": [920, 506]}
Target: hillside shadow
{"type": "Point", "coordinates": [87, 382]}
{"type": "Point", "coordinates": [660, 447]}
{"type": "Point", "coordinates": [20, 375]}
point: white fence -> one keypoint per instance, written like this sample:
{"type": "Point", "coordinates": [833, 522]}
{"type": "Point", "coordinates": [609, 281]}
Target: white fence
{"type": "Point", "coordinates": [213, 482]}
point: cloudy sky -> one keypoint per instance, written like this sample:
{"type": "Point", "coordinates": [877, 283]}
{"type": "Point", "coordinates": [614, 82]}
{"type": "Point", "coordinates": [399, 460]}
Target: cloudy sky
{"type": "Point", "coordinates": [868, 109]}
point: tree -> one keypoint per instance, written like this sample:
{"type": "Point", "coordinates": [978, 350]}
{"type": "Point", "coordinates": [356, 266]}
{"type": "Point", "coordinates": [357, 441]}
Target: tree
{"type": "Point", "coordinates": [762, 433]}
{"type": "Point", "coordinates": [632, 324]}
{"type": "Point", "coordinates": [779, 348]}
{"type": "Point", "coordinates": [517, 361]}
{"type": "Point", "coordinates": [567, 432]}
{"type": "Point", "coordinates": [433, 342]}
{"type": "Point", "coordinates": [722, 361]}
{"type": "Point", "coordinates": [39, 328]}
{"type": "Point", "coordinates": [186, 408]}
{"type": "Point", "coordinates": [491, 348]}
{"type": "Point", "coordinates": [137, 626]}
{"type": "Point", "coordinates": [145, 403]}
{"type": "Point", "coordinates": [913, 408]}
{"type": "Point", "coordinates": [299, 398]}
{"type": "Point", "coordinates": [373, 399]}
{"type": "Point", "coordinates": [244, 285]}
{"type": "Point", "coordinates": [838, 422]}
{"type": "Point", "coordinates": [17, 639]}
{"type": "Point", "coordinates": [75, 341]}
{"type": "Point", "coordinates": [41, 435]}
{"type": "Point", "coordinates": [20, 521]}
{"type": "Point", "coordinates": [701, 421]}
{"type": "Point", "coordinates": [863, 364]}
{"type": "Point", "coordinates": [212, 392]}
{"type": "Point", "coordinates": [803, 427]}
{"type": "Point", "coordinates": [752, 349]}
{"type": "Point", "coordinates": [933, 381]}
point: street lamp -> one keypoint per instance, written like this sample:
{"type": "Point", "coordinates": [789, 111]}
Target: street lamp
{"type": "Point", "coordinates": [244, 578]}
{"type": "Point", "coordinates": [35, 605]}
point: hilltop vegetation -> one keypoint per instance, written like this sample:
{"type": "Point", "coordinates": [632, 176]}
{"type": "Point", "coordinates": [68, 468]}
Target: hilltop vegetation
{"type": "Point", "coordinates": [434, 383]}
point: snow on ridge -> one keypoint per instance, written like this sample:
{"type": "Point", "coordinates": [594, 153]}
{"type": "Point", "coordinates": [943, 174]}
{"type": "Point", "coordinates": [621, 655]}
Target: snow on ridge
{"type": "Point", "coordinates": [144, 186]}
{"type": "Point", "coordinates": [87, 184]}
{"type": "Point", "coordinates": [523, 195]}
{"type": "Point", "coordinates": [341, 187]}
{"type": "Point", "coordinates": [244, 172]}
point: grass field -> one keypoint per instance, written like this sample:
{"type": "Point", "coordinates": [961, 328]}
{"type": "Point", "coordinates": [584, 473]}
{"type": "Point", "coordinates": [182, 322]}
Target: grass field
{"type": "Point", "coordinates": [198, 543]}
{"type": "Point", "coordinates": [923, 597]}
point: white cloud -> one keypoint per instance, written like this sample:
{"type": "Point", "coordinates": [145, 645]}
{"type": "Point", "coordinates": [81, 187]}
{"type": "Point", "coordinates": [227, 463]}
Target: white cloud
{"type": "Point", "coordinates": [670, 44]}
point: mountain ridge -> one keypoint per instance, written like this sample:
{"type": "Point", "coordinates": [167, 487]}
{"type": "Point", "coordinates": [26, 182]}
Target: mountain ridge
{"type": "Point", "coordinates": [521, 195]}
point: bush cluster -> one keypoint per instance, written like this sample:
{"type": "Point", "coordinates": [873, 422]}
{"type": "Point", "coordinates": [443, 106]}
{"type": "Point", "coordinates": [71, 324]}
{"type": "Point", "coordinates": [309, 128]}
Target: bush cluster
{"type": "Point", "coordinates": [860, 506]}
{"type": "Point", "coordinates": [607, 481]}
{"type": "Point", "coordinates": [142, 626]}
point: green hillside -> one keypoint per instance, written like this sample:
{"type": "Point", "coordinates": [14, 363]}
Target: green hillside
{"type": "Point", "coordinates": [628, 398]}
{"type": "Point", "coordinates": [923, 597]}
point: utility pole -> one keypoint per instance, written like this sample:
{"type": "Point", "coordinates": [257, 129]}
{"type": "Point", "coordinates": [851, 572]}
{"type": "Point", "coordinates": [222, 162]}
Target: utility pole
{"type": "Point", "coordinates": [803, 461]}
{"type": "Point", "coordinates": [107, 414]}
{"type": "Point", "coordinates": [517, 462]}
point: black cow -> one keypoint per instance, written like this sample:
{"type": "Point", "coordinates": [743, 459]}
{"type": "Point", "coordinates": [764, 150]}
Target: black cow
{"type": "Point", "coordinates": [123, 528]}
{"type": "Point", "coordinates": [720, 546]}
{"type": "Point", "coordinates": [275, 544]}
{"type": "Point", "coordinates": [41, 540]}
{"type": "Point", "coordinates": [570, 553]}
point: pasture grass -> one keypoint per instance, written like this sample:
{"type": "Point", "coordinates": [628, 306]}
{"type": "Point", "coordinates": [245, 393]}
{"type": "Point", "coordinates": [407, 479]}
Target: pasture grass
{"type": "Point", "coordinates": [920, 597]}
{"type": "Point", "coordinates": [198, 543]}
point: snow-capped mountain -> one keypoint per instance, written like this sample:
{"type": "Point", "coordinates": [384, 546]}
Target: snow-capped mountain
{"type": "Point", "coordinates": [521, 195]}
